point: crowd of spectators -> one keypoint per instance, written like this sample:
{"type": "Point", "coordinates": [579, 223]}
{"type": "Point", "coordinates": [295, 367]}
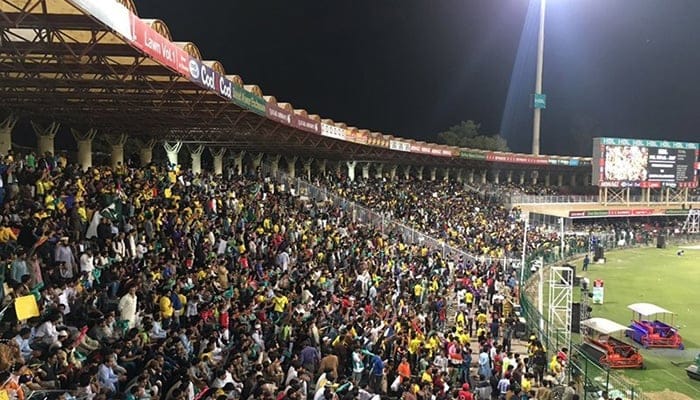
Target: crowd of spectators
{"type": "Point", "coordinates": [154, 283]}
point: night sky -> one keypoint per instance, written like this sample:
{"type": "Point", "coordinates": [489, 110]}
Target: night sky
{"type": "Point", "coordinates": [412, 68]}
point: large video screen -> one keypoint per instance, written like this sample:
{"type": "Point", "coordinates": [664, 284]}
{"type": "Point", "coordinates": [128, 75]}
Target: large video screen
{"type": "Point", "coordinates": [644, 163]}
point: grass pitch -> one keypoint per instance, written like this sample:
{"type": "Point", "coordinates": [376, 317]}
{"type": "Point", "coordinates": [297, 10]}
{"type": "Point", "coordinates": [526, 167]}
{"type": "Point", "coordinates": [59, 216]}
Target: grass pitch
{"type": "Point", "coordinates": [661, 277]}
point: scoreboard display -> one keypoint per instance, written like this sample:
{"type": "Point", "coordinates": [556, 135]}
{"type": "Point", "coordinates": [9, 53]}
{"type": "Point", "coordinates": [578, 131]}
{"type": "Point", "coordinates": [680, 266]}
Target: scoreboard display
{"type": "Point", "coordinates": [644, 163]}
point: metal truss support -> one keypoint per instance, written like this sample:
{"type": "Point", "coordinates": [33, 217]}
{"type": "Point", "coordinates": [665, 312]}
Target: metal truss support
{"type": "Point", "coordinates": [407, 172]}
{"type": "Point", "coordinates": [218, 154]}
{"type": "Point", "coordinates": [146, 152]}
{"type": "Point", "coordinates": [196, 157]}
{"type": "Point", "coordinates": [692, 223]}
{"type": "Point", "coordinates": [561, 290]}
{"type": "Point", "coordinates": [84, 140]}
{"type": "Point", "coordinates": [45, 136]}
{"type": "Point", "coordinates": [307, 168]}
{"type": "Point", "coordinates": [117, 143]}
{"type": "Point", "coordinates": [172, 151]}
{"type": "Point", "coordinates": [675, 195]}
{"type": "Point", "coordinates": [275, 164]}
{"type": "Point", "coordinates": [615, 195]}
{"type": "Point", "coordinates": [292, 166]}
{"type": "Point", "coordinates": [6, 127]}
{"type": "Point", "coordinates": [351, 170]}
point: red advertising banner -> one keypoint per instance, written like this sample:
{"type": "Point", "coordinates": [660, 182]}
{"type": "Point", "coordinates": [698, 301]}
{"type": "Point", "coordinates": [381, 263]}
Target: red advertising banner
{"type": "Point", "coordinates": [159, 48]}
{"type": "Point", "coordinates": [279, 114]}
{"type": "Point", "coordinates": [306, 124]}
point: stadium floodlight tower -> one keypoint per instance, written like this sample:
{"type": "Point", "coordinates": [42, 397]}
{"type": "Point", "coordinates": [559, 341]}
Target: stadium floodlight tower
{"type": "Point", "coordinates": [539, 100]}
{"type": "Point", "coordinates": [561, 299]}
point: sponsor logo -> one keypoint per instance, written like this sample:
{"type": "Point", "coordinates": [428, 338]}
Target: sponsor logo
{"type": "Point", "coordinates": [279, 115]}
{"type": "Point", "coordinates": [225, 87]}
{"type": "Point", "coordinates": [194, 69]}
{"type": "Point", "coordinates": [207, 77]}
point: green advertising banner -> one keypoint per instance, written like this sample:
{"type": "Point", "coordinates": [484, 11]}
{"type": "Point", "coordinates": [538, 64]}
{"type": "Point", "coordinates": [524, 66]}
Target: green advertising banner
{"type": "Point", "coordinates": [472, 155]}
{"type": "Point", "coordinates": [249, 100]}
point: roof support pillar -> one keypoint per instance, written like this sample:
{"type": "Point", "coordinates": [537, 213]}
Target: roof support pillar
{"type": "Point", "coordinates": [196, 157]}
{"type": "Point", "coordinates": [239, 162]}
{"type": "Point", "coordinates": [257, 161]}
{"type": "Point", "coordinates": [420, 172]}
{"type": "Point", "coordinates": [292, 166]}
{"type": "Point", "coordinates": [117, 143]}
{"type": "Point", "coordinates": [322, 167]}
{"type": "Point", "coordinates": [218, 154]}
{"type": "Point", "coordinates": [307, 168]}
{"type": "Point", "coordinates": [45, 137]}
{"type": "Point", "coordinates": [351, 170]}
{"type": "Point", "coordinates": [446, 174]}
{"type": "Point", "coordinates": [573, 179]}
{"type": "Point", "coordinates": [392, 172]}
{"type": "Point", "coordinates": [172, 151]}
{"type": "Point", "coordinates": [496, 176]}
{"type": "Point", "coordinates": [509, 176]}
{"type": "Point", "coordinates": [365, 170]}
{"type": "Point", "coordinates": [275, 164]}
{"type": "Point", "coordinates": [146, 152]}
{"type": "Point", "coordinates": [460, 175]}
{"type": "Point", "coordinates": [380, 171]}
{"type": "Point", "coordinates": [84, 140]}
{"type": "Point", "coordinates": [534, 176]}
{"type": "Point", "coordinates": [560, 179]}
{"type": "Point", "coordinates": [433, 173]}
{"type": "Point", "coordinates": [6, 127]}
{"type": "Point", "coordinates": [547, 179]}
{"type": "Point", "coordinates": [522, 178]}
{"type": "Point", "coordinates": [407, 172]}
{"type": "Point", "coordinates": [470, 176]}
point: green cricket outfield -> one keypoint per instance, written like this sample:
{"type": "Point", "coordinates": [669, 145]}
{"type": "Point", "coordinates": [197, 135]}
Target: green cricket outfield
{"type": "Point", "coordinates": [661, 277]}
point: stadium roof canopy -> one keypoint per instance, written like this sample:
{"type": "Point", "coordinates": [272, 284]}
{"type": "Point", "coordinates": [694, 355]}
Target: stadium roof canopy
{"type": "Point", "coordinates": [61, 62]}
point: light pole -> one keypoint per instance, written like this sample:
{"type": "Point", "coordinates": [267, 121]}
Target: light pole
{"type": "Point", "coordinates": [539, 99]}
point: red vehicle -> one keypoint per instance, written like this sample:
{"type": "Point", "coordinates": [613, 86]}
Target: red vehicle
{"type": "Point", "coordinates": [614, 353]}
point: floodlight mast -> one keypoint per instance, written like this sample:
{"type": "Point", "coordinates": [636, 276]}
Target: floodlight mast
{"type": "Point", "coordinates": [539, 101]}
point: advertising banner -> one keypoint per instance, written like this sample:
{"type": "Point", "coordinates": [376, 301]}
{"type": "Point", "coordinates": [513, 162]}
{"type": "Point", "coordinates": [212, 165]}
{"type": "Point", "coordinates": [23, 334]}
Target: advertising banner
{"type": "Point", "coordinates": [249, 100]}
{"type": "Point", "coordinates": [516, 159]}
{"type": "Point", "coordinates": [306, 124]}
{"type": "Point", "coordinates": [279, 114]}
{"type": "Point", "coordinates": [633, 212]}
{"type": "Point", "coordinates": [203, 75]}
{"type": "Point", "coordinates": [333, 131]}
{"type": "Point", "coordinates": [356, 136]}
{"type": "Point", "coordinates": [110, 13]}
{"type": "Point", "coordinates": [159, 48]}
{"type": "Point", "coordinates": [598, 291]}
{"type": "Point", "coordinates": [472, 155]}
{"type": "Point", "coordinates": [399, 145]}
